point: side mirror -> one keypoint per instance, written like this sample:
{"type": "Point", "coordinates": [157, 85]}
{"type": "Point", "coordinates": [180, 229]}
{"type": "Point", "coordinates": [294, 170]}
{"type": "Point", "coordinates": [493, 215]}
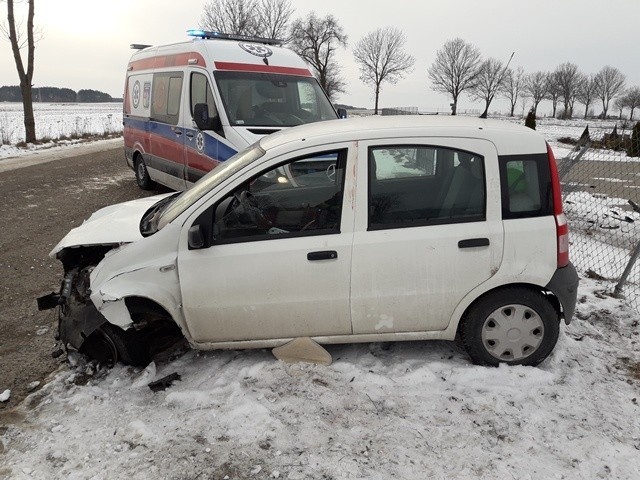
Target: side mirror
{"type": "Point", "coordinates": [342, 112]}
{"type": "Point", "coordinates": [195, 237]}
{"type": "Point", "coordinates": [203, 120]}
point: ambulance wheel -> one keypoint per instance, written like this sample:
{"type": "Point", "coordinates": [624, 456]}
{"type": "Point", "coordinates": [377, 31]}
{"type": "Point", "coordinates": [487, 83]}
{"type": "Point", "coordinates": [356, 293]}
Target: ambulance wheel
{"type": "Point", "coordinates": [142, 175]}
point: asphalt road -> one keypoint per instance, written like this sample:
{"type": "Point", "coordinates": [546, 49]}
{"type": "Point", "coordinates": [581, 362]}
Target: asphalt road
{"type": "Point", "coordinates": [40, 203]}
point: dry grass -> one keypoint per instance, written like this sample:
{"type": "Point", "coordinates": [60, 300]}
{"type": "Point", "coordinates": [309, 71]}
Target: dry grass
{"type": "Point", "coordinates": [83, 137]}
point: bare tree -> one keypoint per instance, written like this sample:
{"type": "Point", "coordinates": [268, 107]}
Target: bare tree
{"type": "Point", "coordinates": [573, 97]}
{"type": "Point", "coordinates": [609, 84]}
{"type": "Point", "coordinates": [536, 86]}
{"type": "Point", "coordinates": [488, 82]}
{"type": "Point", "coordinates": [587, 93]}
{"type": "Point", "coordinates": [455, 69]}
{"type": "Point", "coordinates": [513, 86]}
{"type": "Point", "coordinates": [620, 103]}
{"type": "Point", "coordinates": [632, 99]}
{"type": "Point", "coordinates": [554, 91]}
{"type": "Point", "coordinates": [273, 17]}
{"type": "Point", "coordinates": [12, 32]}
{"type": "Point", "coordinates": [568, 79]}
{"type": "Point", "coordinates": [381, 58]}
{"type": "Point", "coordinates": [317, 40]}
{"type": "Point", "coordinates": [261, 18]}
{"type": "Point", "coordinates": [230, 16]}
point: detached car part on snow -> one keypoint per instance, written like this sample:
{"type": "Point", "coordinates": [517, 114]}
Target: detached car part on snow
{"type": "Point", "coordinates": [383, 229]}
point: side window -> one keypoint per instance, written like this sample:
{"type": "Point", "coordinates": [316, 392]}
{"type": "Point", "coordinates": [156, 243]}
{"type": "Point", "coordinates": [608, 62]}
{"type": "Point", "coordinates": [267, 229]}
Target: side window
{"type": "Point", "coordinates": [525, 184]}
{"type": "Point", "coordinates": [201, 93]}
{"type": "Point", "coordinates": [422, 185]}
{"type": "Point", "coordinates": [165, 97]}
{"type": "Point", "coordinates": [300, 197]}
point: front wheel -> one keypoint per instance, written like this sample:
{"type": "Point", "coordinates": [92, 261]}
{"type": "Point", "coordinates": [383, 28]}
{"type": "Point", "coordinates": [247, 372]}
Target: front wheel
{"type": "Point", "coordinates": [110, 344]}
{"type": "Point", "coordinates": [516, 326]}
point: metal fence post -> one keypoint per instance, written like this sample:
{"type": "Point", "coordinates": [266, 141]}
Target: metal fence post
{"type": "Point", "coordinates": [617, 292]}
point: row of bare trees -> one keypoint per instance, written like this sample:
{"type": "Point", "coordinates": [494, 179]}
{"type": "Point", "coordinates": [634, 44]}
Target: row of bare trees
{"type": "Point", "coordinates": [459, 68]}
{"type": "Point", "coordinates": [379, 55]}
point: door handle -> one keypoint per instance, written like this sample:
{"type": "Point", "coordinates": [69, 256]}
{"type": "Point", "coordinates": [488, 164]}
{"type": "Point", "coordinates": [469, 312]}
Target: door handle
{"type": "Point", "coordinates": [473, 242]}
{"type": "Point", "coordinates": [190, 134]}
{"type": "Point", "coordinates": [322, 255]}
{"type": "Point", "coordinates": [177, 131]}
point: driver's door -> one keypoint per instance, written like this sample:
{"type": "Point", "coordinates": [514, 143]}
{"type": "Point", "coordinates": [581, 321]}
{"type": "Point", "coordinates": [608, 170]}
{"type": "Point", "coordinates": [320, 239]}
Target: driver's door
{"type": "Point", "coordinates": [280, 262]}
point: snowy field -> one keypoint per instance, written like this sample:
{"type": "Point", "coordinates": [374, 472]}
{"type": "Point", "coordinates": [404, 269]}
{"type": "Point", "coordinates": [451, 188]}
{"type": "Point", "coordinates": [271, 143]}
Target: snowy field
{"type": "Point", "coordinates": [412, 410]}
{"type": "Point", "coordinates": [55, 121]}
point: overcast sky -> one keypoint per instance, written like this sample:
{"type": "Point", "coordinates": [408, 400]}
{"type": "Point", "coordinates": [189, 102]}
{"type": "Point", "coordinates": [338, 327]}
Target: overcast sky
{"type": "Point", "coordinates": [85, 43]}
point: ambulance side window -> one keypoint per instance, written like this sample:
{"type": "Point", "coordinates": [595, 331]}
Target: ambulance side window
{"type": "Point", "coordinates": [201, 93]}
{"type": "Point", "coordinates": [165, 99]}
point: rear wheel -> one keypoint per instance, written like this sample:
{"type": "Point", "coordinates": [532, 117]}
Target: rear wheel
{"type": "Point", "coordinates": [516, 326]}
{"type": "Point", "coordinates": [142, 174]}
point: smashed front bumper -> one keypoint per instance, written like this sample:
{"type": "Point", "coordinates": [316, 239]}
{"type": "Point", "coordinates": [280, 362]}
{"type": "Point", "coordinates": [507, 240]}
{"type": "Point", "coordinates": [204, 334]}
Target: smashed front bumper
{"type": "Point", "coordinates": [78, 317]}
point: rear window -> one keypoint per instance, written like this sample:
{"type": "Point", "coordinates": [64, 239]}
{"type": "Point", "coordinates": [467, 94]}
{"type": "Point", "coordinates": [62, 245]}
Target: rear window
{"type": "Point", "coordinates": [526, 186]}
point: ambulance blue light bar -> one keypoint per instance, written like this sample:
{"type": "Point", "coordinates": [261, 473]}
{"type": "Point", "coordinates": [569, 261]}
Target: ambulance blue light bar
{"type": "Point", "coordinates": [232, 36]}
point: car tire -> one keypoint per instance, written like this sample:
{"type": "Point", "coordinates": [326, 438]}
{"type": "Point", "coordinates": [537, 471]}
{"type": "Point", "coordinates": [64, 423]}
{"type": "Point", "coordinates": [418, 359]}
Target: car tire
{"type": "Point", "coordinates": [515, 326]}
{"type": "Point", "coordinates": [142, 174]}
{"type": "Point", "coordinates": [110, 344]}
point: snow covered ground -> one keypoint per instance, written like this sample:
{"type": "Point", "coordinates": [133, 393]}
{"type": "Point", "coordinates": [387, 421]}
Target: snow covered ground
{"type": "Point", "coordinates": [402, 410]}
{"type": "Point", "coordinates": [55, 121]}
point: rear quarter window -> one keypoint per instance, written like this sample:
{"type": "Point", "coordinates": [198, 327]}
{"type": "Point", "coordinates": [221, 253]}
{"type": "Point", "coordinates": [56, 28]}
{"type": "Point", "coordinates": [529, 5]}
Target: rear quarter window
{"type": "Point", "coordinates": [525, 182]}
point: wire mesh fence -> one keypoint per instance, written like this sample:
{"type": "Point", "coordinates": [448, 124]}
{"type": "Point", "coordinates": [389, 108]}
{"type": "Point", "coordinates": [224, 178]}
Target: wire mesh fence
{"type": "Point", "coordinates": [601, 185]}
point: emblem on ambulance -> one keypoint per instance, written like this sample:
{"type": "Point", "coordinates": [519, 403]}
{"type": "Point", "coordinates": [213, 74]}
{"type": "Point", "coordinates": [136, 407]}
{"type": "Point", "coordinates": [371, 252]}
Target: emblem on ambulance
{"type": "Point", "coordinates": [135, 95]}
{"type": "Point", "coordinates": [200, 142]}
{"type": "Point", "coordinates": [257, 50]}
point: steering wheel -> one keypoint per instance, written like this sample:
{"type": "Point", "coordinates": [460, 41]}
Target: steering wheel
{"type": "Point", "coordinates": [260, 111]}
{"type": "Point", "coordinates": [266, 111]}
{"type": "Point", "coordinates": [249, 204]}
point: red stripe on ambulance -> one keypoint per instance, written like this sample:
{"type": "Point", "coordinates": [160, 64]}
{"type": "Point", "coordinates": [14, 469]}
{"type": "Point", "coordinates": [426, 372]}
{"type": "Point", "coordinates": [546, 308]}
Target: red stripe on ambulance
{"type": "Point", "coordinates": [162, 61]}
{"type": "Point", "coordinates": [252, 67]}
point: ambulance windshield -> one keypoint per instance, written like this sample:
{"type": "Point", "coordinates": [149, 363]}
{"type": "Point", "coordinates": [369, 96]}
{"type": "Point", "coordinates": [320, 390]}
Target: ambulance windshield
{"type": "Point", "coordinates": [270, 100]}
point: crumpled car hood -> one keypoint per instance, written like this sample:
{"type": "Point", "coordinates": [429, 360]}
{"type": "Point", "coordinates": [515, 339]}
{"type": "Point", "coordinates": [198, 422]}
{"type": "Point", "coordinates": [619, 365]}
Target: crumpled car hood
{"type": "Point", "coordinates": [112, 225]}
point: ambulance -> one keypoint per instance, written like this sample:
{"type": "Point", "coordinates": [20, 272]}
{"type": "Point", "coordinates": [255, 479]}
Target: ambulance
{"type": "Point", "coordinates": [190, 106]}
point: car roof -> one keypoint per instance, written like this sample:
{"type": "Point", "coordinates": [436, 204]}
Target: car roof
{"type": "Point", "coordinates": [509, 138]}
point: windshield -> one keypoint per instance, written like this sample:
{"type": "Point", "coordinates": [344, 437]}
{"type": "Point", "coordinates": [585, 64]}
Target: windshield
{"type": "Point", "coordinates": [270, 100]}
{"type": "Point", "coordinates": [219, 174]}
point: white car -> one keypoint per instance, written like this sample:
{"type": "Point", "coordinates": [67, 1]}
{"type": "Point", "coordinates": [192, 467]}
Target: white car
{"type": "Point", "coordinates": [414, 228]}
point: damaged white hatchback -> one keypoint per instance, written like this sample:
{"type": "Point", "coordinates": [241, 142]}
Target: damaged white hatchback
{"type": "Point", "coordinates": [359, 230]}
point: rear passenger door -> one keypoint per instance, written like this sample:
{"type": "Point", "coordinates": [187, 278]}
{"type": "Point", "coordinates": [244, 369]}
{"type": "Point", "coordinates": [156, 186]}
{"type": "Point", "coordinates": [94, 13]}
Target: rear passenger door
{"type": "Point", "coordinates": [428, 231]}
